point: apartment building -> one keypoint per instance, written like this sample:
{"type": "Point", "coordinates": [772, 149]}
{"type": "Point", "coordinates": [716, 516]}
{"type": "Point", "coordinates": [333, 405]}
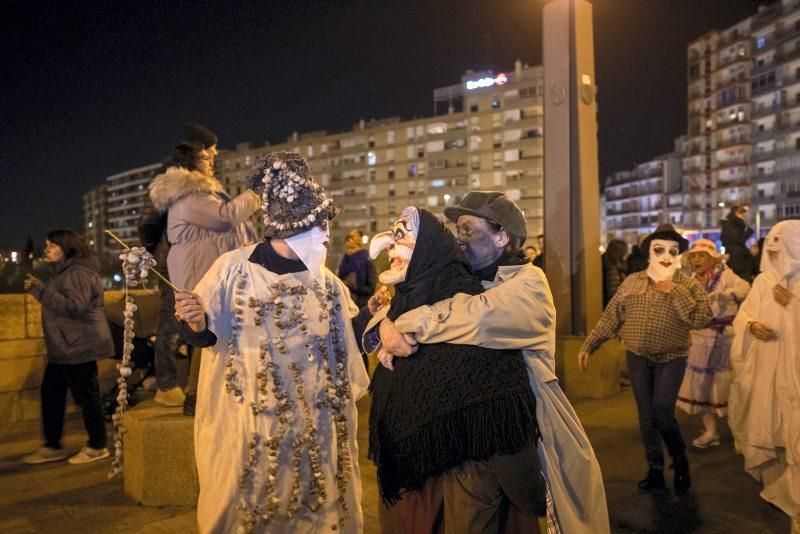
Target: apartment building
{"type": "Point", "coordinates": [639, 199]}
{"type": "Point", "coordinates": [718, 146]}
{"type": "Point", "coordinates": [485, 133]}
{"type": "Point", "coordinates": [776, 113]}
{"type": "Point", "coordinates": [94, 217]}
{"type": "Point", "coordinates": [125, 196]}
{"type": "Point", "coordinates": [743, 138]}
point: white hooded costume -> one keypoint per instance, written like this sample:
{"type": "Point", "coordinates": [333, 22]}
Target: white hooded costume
{"type": "Point", "coordinates": [764, 404]}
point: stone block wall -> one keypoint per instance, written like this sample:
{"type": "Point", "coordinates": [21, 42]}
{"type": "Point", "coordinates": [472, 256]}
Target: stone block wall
{"type": "Point", "coordinates": [23, 357]}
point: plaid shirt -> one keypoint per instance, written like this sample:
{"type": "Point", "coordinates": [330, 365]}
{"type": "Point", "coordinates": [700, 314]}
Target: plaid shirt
{"type": "Point", "coordinates": [650, 322]}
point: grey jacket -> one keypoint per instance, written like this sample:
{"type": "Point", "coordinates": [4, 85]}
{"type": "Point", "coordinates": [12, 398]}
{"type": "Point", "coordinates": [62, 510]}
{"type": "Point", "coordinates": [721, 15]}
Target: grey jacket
{"type": "Point", "coordinates": [75, 327]}
{"type": "Point", "coordinates": [202, 223]}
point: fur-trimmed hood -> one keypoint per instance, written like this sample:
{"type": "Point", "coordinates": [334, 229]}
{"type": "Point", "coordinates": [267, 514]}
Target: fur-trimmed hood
{"type": "Point", "coordinates": [177, 182]}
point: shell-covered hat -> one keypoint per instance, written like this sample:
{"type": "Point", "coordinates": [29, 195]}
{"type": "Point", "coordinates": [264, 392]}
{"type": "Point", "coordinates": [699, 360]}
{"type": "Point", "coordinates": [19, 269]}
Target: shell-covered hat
{"type": "Point", "coordinates": [293, 201]}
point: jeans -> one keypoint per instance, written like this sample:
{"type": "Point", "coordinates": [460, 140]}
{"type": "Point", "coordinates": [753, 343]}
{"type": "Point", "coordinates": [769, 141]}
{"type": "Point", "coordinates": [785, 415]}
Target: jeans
{"type": "Point", "coordinates": [81, 381]}
{"type": "Point", "coordinates": [166, 341]}
{"type": "Point", "coordinates": [655, 387]}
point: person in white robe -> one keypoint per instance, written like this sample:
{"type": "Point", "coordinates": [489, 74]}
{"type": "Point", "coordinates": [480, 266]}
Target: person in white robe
{"type": "Point", "coordinates": [275, 427]}
{"type": "Point", "coordinates": [764, 404]}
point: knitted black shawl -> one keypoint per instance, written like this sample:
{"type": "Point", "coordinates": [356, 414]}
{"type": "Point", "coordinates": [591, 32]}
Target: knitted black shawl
{"type": "Point", "coordinates": [447, 403]}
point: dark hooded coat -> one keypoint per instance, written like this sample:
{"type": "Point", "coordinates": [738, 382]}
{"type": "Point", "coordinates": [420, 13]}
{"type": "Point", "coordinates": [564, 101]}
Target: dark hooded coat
{"type": "Point", "coordinates": [75, 327]}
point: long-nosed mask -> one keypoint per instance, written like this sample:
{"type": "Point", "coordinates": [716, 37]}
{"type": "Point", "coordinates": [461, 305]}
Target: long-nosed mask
{"type": "Point", "coordinates": [400, 242]}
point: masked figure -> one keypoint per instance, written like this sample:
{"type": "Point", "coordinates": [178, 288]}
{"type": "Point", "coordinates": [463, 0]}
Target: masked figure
{"type": "Point", "coordinates": [706, 384]}
{"type": "Point", "coordinates": [447, 405]}
{"type": "Point", "coordinates": [275, 429]}
{"type": "Point", "coordinates": [653, 312]}
{"type": "Point", "coordinates": [764, 411]}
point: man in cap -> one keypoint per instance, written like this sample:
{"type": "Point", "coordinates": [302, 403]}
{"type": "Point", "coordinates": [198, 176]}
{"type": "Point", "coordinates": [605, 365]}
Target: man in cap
{"type": "Point", "coordinates": [515, 312]}
{"type": "Point", "coordinates": [653, 312]}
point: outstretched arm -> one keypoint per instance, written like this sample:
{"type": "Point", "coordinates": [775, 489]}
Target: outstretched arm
{"type": "Point", "coordinates": [517, 314]}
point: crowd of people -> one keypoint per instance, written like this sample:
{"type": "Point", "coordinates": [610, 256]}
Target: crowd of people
{"type": "Point", "coordinates": [469, 428]}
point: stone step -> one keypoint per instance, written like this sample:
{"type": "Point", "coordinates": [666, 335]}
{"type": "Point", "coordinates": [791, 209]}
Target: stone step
{"type": "Point", "coordinates": [159, 456]}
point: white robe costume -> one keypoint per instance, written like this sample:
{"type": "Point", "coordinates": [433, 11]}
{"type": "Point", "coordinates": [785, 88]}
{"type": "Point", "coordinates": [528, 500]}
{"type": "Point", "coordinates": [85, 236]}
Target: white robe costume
{"type": "Point", "coordinates": [764, 405]}
{"type": "Point", "coordinates": [706, 384]}
{"type": "Point", "coordinates": [275, 425]}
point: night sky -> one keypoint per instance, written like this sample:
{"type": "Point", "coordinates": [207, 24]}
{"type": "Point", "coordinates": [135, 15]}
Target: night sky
{"type": "Point", "coordinates": [89, 90]}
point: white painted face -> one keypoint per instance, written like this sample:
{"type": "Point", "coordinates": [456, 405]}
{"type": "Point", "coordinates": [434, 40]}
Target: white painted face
{"type": "Point", "coordinates": [400, 241]}
{"type": "Point", "coordinates": [664, 259]}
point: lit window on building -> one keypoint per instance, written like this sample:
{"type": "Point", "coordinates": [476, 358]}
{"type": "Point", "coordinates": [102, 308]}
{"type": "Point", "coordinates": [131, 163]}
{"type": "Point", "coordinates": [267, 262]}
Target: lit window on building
{"type": "Point", "coordinates": [372, 158]}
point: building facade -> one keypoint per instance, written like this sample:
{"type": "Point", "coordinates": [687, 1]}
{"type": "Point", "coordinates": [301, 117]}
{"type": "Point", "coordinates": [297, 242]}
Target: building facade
{"type": "Point", "coordinates": [486, 133]}
{"type": "Point", "coordinates": [718, 146]}
{"type": "Point", "coordinates": [639, 199]}
{"type": "Point", "coordinates": [743, 138]}
{"type": "Point", "coordinates": [125, 196]}
{"type": "Point", "coordinates": [776, 111]}
{"type": "Point", "coordinates": [95, 211]}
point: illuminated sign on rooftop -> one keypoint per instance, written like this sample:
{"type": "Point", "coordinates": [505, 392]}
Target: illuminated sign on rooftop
{"type": "Point", "coordinates": [500, 79]}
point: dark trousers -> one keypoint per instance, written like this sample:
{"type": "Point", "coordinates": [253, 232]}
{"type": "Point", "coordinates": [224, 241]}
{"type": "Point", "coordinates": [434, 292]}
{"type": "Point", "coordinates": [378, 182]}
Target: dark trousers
{"type": "Point", "coordinates": [166, 341]}
{"type": "Point", "coordinates": [478, 494]}
{"type": "Point", "coordinates": [81, 381]}
{"type": "Point", "coordinates": [655, 387]}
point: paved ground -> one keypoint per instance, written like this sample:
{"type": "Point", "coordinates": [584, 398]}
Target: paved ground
{"type": "Point", "coordinates": [65, 498]}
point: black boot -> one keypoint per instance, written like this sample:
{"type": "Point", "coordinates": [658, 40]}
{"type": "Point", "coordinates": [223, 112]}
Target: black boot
{"type": "Point", "coordinates": [188, 405]}
{"type": "Point", "coordinates": [682, 481]}
{"type": "Point", "coordinates": [653, 481]}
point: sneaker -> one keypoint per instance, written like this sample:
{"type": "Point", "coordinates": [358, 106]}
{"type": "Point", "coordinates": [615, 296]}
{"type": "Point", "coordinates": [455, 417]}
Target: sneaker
{"type": "Point", "coordinates": [89, 454]}
{"type": "Point", "coordinates": [653, 481]}
{"type": "Point", "coordinates": [44, 455]}
{"type": "Point", "coordinates": [705, 441]}
{"type": "Point", "coordinates": [171, 397]}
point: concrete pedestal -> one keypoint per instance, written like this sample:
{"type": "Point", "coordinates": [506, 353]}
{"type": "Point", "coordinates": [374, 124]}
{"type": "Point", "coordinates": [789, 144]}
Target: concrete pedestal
{"type": "Point", "coordinates": [159, 456]}
{"type": "Point", "coordinates": [601, 378]}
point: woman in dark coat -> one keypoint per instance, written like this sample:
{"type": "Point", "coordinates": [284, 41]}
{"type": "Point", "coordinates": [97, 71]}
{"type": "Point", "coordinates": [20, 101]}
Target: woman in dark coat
{"type": "Point", "coordinates": [76, 335]}
{"type": "Point", "coordinates": [615, 269]}
{"type": "Point", "coordinates": [735, 233]}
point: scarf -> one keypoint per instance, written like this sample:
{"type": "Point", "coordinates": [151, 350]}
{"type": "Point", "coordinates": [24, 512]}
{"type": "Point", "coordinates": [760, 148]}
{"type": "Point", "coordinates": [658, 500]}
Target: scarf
{"type": "Point", "coordinates": [447, 403]}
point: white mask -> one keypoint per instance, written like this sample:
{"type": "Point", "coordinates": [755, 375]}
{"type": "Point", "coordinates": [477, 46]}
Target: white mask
{"type": "Point", "coordinates": [311, 247]}
{"type": "Point", "coordinates": [400, 241]}
{"type": "Point", "coordinates": [663, 260]}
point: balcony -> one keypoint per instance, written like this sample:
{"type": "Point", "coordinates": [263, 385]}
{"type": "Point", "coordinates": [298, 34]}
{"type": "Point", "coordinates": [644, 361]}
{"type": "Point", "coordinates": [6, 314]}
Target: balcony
{"type": "Point", "coordinates": [761, 135]}
{"type": "Point", "coordinates": [734, 80]}
{"type": "Point", "coordinates": [730, 61]}
{"type": "Point", "coordinates": [695, 150]}
{"type": "Point", "coordinates": [766, 16]}
{"type": "Point", "coordinates": [756, 91]}
{"type": "Point", "coordinates": [763, 111]}
{"type": "Point", "coordinates": [777, 176]}
{"type": "Point", "coordinates": [735, 141]}
{"type": "Point", "coordinates": [785, 34]}
{"type": "Point", "coordinates": [764, 156]}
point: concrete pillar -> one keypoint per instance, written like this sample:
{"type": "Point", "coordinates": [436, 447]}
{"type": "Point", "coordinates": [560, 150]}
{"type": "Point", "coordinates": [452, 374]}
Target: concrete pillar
{"type": "Point", "coordinates": [571, 183]}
